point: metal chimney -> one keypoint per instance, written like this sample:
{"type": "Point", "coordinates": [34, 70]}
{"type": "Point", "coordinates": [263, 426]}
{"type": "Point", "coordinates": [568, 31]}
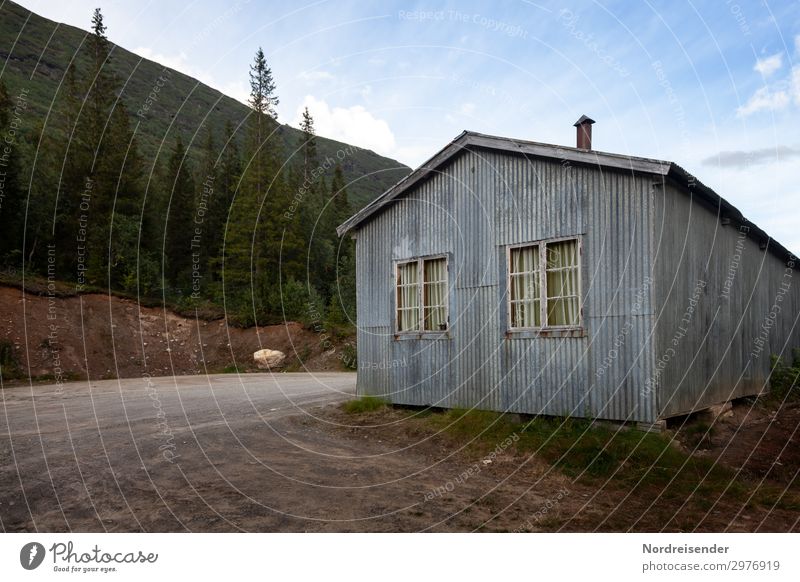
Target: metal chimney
{"type": "Point", "coordinates": [584, 125]}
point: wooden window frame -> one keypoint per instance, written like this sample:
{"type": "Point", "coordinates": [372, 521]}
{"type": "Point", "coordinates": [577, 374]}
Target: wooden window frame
{"type": "Point", "coordinates": [420, 261]}
{"type": "Point", "coordinates": [543, 298]}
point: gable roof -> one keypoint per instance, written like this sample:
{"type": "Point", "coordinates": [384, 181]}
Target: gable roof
{"type": "Point", "coordinates": [667, 171]}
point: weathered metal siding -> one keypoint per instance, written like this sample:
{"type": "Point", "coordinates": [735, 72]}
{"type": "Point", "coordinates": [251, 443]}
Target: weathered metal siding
{"type": "Point", "coordinates": [707, 349]}
{"type": "Point", "coordinates": [619, 303]}
{"type": "Point", "coordinates": [472, 209]}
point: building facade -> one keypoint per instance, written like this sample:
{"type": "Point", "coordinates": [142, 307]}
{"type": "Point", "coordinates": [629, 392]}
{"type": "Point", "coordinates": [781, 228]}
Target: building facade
{"type": "Point", "coordinates": [516, 276]}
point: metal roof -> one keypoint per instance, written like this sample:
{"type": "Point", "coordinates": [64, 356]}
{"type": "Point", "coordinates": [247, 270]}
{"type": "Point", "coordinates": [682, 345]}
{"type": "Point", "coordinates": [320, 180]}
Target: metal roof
{"type": "Point", "coordinates": [664, 169]}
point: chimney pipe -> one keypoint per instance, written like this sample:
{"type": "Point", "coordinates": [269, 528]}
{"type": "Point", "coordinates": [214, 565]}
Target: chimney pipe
{"type": "Point", "coordinates": [584, 125]}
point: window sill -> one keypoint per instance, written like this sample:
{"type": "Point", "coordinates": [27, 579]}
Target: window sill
{"type": "Point", "coordinates": [425, 335]}
{"type": "Point", "coordinates": [545, 333]}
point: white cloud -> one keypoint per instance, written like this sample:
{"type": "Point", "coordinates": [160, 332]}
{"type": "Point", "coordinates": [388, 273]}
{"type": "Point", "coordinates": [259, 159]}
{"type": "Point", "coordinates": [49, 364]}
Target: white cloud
{"type": "Point", "coordinates": [354, 125]}
{"type": "Point", "coordinates": [775, 96]}
{"type": "Point", "coordinates": [797, 44]}
{"type": "Point", "coordinates": [414, 155]}
{"type": "Point", "coordinates": [467, 109]}
{"type": "Point", "coordinates": [173, 62]}
{"type": "Point", "coordinates": [312, 77]}
{"type": "Point", "coordinates": [765, 98]}
{"type": "Point", "coordinates": [794, 87]}
{"type": "Point", "coordinates": [178, 62]}
{"type": "Point", "coordinates": [769, 65]}
{"type": "Point", "coordinates": [238, 90]}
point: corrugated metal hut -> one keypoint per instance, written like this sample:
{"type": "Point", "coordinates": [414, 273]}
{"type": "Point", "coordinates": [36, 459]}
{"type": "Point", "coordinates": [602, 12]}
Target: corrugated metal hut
{"type": "Point", "coordinates": [518, 276]}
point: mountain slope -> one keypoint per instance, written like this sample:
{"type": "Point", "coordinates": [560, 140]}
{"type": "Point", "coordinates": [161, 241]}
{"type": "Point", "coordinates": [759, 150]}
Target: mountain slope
{"type": "Point", "coordinates": [35, 53]}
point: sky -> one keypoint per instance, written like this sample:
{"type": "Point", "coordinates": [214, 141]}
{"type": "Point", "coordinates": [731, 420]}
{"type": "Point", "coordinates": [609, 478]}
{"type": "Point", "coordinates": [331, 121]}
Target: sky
{"type": "Point", "coordinates": [713, 86]}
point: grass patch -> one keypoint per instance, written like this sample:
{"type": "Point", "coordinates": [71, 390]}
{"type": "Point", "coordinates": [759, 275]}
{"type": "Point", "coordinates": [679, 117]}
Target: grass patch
{"type": "Point", "coordinates": [232, 369]}
{"type": "Point", "coordinates": [784, 379]}
{"type": "Point", "coordinates": [697, 435]}
{"type": "Point", "coordinates": [643, 463]}
{"type": "Point", "coordinates": [363, 404]}
{"type": "Point", "coordinates": [9, 366]}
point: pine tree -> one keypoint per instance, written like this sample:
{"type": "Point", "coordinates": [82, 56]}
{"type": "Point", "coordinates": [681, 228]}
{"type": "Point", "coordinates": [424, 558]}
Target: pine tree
{"type": "Point", "coordinates": [102, 83]}
{"type": "Point", "coordinates": [10, 192]}
{"type": "Point", "coordinates": [341, 203]}
{"type": "Point", "coordinates": [39, 158]}
{"type": "Point", "coordinates": [254, 232]}
{"type": "Point", "coordinates": [343, 292]}
{"type": "Point", "coordinates": [123, 167]}
{"type": "Point", "coordinates": [245, 244]}
{"type": "Point", "coordinates": [212, 208]}
{"type": "Point", "coordinates": [309, 146]}
{"type": "Point", "coordinates": [230, 172]}
{"type": "Point", "coordinates": [178, 243]}
{"type": "Point", "coordinates": [263, 99]}
{"type": "Point", "coordinates": [230, 163]}
{"type": "Point", "coordinates": [74, 165]}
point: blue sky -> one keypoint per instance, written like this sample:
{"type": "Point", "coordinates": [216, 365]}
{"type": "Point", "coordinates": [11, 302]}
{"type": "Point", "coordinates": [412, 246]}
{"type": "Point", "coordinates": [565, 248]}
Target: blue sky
{"type": "Point", "coordinates": [714, 87]}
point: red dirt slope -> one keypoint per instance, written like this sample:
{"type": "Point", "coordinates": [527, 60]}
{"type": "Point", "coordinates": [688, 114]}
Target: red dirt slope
{"type": "Point", "coordinates": [109, 337]}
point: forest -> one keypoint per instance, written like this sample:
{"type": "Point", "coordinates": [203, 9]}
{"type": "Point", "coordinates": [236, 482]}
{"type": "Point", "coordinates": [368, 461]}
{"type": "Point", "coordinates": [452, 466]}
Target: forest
{"type": "Point", "coordinates": [236, 223]}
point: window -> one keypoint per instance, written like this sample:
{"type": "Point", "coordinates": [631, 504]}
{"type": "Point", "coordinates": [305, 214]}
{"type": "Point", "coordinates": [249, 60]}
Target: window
{"type": "Point", "coordinates": [544, 285]}
{"type": "Point", "coordinates": [422, 295]}
{"type": "Point", "coordinates": [408, 297]}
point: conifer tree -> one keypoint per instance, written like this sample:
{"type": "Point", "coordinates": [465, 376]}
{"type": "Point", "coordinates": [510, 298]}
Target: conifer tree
{"type": "Point", "coordinates": [10, 193]}
{"type": "Point", "coordinates": [343, 291]}
{"type": "Point", "coordinates": [211, 204]}
{"type": "Point", "coordinates": [73, 166]}
{"type": "Point", "coordinates": [178, 245]}
{"type": "Point", "coordinates": [251, 230]}
{"type": "Point", "coordinates": [102, 83]}
{"type": "Point", "coordinates": [308, 145]}
{"type": "Point", "coordinates": [262, 99]}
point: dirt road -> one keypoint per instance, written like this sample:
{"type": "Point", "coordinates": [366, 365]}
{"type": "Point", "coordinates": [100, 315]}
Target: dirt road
{"type": "Point", "coordinates": [166, 454]}
{"type": "Point", "coordinates": [252, 452]}
{"type": "Point", "coordinates": [276, 453]}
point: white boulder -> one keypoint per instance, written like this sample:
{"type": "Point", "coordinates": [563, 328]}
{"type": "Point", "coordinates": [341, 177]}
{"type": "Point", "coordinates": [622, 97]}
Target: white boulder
{"type": "Point", "coordinates": [266, 359]}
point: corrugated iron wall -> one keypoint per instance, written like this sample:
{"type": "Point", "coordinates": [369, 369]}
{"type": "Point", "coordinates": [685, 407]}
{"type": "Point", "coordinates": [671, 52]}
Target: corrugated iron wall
{"type": "Point", "coordinates": [478, 204]}
{"type": "Point", "coordinates": [716, 290]}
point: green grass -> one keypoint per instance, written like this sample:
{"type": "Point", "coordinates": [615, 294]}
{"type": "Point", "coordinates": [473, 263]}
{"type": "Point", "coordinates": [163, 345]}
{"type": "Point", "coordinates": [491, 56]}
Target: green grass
{"type": "Point", "coordinates": [232, 369]}
{"type": "Point", "coordinates": [9, 367]}
{"type": "Point", "coordinates": [784, 380]}
{"type": "Point", "coordinates": [363, 405]}
{"type": "Point", "coordinates": [698, 435]}
{"type": "Point", "coordinates": [594, 453]}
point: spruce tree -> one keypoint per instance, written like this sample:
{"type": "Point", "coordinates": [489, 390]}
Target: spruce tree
{"type": "Point", "coordinates": [262, 99]}
{"type": "Point", "coordinates": [102, 83]}
{"type": "Point", "coordinates": [343, 292]}
{"type": "Point", "coordinates": [251, 229]}
{"type": "Point", "coordinates": [178, 244]}
{"type": "Point", "coordinates": [308, 146]}
{"type": "Point", "coordinates": [212, 209]}
{"type": "Point", "coordinates": [10, 192]}
{"type": "Point", "coordinates": [74, 167]}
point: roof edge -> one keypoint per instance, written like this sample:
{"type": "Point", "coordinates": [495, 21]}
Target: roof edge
{"type": "Point", "coordinates": [665, 169]}
{"type": "Point", "coordinates": [532, 148]}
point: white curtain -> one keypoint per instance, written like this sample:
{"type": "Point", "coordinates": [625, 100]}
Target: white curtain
{"type": "Point", "coordinates": [408, 296]}
{"type": "Point", "coordinates": [435, 294]}
{"type": "Point", "coordinates": [525, 296]}
{"type": "Point", "coordinates": [563, 302]}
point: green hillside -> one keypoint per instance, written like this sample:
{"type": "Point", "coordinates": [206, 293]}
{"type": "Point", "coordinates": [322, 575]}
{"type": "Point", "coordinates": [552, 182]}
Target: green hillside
{"type": "Point", "coordinates": [119, 174]}
{"type": "Point", "coordinates": [35, 53]}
